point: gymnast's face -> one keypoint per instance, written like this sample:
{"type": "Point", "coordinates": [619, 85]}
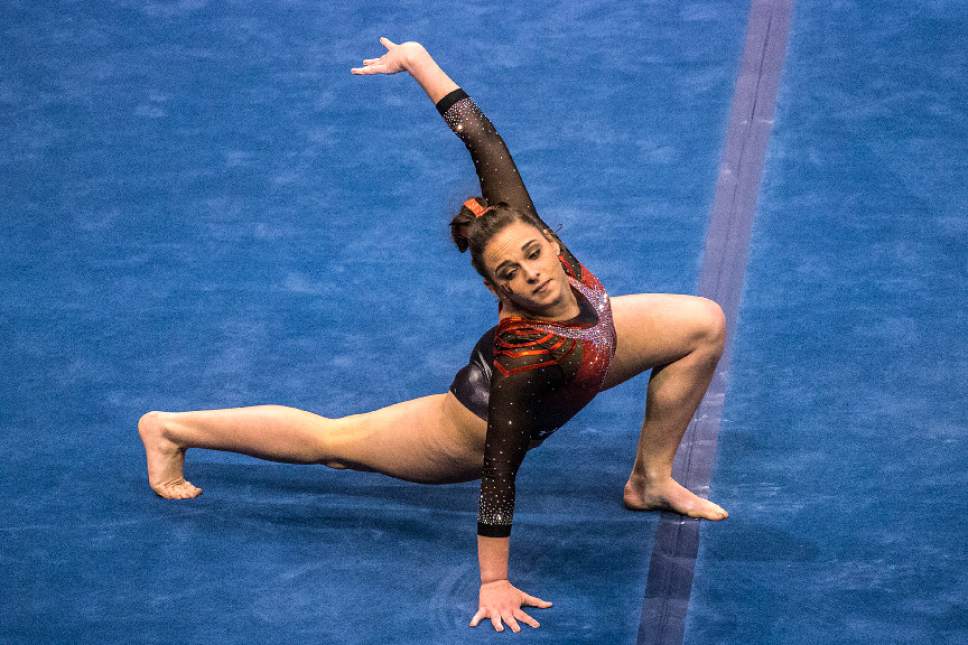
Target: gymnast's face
{"type": "Point", "coordinates": [525, 268]}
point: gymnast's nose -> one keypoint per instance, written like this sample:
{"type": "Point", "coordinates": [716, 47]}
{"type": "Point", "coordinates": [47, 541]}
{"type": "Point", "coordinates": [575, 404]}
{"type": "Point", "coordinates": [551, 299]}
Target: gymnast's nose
{"type": "Point", "coordinates": [531, 274]}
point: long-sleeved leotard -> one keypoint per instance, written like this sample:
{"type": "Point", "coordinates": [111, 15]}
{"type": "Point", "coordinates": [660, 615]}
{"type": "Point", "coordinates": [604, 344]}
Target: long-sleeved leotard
{"type": "Point", "coordinates": [527, 376]}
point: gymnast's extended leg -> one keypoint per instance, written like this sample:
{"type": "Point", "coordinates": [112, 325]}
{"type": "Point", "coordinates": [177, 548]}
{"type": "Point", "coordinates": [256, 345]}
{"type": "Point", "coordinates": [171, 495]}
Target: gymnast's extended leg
{"type": "Point", "coordinates": [431, 439]}
{"type": "Point", "coordinates": [680, 337]}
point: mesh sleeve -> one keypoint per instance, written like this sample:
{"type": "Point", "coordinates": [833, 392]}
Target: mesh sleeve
{"type": "Point", "coordinates": [523, 376]}
{"type": "Point", "coordinates": [496, 171]}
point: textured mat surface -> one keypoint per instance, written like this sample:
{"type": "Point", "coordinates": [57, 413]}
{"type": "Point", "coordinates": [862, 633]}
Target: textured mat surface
{"type": "Point", "coordinates": [205, 209]}
{"type": "Point", "coordinates": [843, 441]}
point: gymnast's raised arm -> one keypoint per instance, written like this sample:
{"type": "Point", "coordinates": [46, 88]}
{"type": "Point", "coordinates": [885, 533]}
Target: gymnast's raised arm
{"type": "Point", "coordinates": [498, 175]}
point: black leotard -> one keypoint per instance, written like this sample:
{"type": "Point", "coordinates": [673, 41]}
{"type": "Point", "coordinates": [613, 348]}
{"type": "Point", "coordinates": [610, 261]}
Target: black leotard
{"type": "Point", "coordinates": [527, 376]}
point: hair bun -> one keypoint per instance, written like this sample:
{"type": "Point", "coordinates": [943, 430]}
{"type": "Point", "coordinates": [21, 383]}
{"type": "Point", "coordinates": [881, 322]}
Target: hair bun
{"type": "Point", "coordinates": [458, 231]}
{"type": "Point", "coordinates": [471, 209]}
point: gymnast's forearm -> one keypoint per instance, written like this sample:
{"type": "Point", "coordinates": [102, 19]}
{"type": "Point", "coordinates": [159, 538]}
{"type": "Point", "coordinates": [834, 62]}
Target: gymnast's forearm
{"type": "Point", "coordinates": [428, 73]}
{"type": "Point", "coordinates": [496, 170]}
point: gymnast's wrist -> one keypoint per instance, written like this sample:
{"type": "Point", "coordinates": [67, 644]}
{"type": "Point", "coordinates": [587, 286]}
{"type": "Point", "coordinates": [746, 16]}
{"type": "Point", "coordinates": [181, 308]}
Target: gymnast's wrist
{"type": "Point", "coordinates": [416, 55]}
{"type": "Point", "coordinates": [493, 580]}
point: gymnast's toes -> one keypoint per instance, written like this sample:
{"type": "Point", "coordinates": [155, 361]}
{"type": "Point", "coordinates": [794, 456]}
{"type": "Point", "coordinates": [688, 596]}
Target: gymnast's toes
{"type": "Point", "coordinates": [183, 489]}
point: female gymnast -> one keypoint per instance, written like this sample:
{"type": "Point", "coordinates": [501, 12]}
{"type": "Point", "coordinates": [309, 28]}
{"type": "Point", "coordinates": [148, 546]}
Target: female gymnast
{"type": "Point", "coordinates": [559, 340]}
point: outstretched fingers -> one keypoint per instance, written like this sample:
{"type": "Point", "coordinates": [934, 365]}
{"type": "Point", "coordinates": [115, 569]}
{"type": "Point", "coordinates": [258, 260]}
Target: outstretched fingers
{"type": "Point", "coordinates": [526, 619]}
{"type": "Point", "coordinates": [513, 624]}
{"type": "Point", "coordinates": [482, 614]}
{"type": "Point", "coordinates": [369, 69]}
{"type": "Point", "coordinates": [510, 618]}
{"type": "Point", "coordinates": [477, 618]}
{"type": "Point", "coordinates": [534, 601]}
{"type": "Point", "coordinates": [496, 620]}
{"type": "Point", "coordinates": [391, 62]}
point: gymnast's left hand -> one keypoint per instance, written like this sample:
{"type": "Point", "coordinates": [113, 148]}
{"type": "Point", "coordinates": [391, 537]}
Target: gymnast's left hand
{"type": "Point", "coordinates": [395, 60]}
{"type": "Point", "coordinates": [500, 600]}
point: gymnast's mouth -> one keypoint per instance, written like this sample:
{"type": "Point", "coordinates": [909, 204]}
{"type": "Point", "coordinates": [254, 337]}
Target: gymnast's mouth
{"type": "Point", "coordinates": [545, 284]}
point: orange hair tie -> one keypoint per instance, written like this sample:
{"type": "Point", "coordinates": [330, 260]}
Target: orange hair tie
{"type": "Point", "coordinates": [476, 208]}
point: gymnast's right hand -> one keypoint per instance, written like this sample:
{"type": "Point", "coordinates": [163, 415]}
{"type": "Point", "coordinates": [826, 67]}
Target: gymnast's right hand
{"type": "Point", "coordinates": [502, 600]}
{"type": "Point", "coordinates": [394, 60]}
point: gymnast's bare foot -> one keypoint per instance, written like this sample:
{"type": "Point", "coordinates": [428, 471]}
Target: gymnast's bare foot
{"type": "Point", "coordinates": [668, 495]}
{"type": "Point", "coordinates": [165, 458]}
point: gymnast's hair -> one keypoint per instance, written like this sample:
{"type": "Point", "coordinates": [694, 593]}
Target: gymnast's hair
{"type": "Point", "coordinates": [477, 222]}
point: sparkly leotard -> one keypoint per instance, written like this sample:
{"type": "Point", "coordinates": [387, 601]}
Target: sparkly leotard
{"type": "Point", "coordinates": [526, 376]}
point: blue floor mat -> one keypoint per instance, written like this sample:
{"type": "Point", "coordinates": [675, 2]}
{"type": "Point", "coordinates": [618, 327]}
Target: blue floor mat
{"type": "Point", "coordinates": [842, 445]}
{"type": "Point", "coordinates": [205, 209]}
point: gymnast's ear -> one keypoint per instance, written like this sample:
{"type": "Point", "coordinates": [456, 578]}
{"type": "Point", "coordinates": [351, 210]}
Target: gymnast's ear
{"type": "Point", "coordinates": [554, 240]}
{"type": "Point", "coordinates": [490, 287]}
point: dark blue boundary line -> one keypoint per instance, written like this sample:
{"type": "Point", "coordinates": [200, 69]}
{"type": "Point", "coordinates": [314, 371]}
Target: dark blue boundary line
{"type": "Point", "coordinates": [721, 278]}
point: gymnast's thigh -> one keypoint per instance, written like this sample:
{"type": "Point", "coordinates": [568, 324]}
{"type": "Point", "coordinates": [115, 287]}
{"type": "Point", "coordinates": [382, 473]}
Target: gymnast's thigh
{"type": "Point", "coordinates": [655, 329]}
{"type": "Point", "coordinates": [430, 439]}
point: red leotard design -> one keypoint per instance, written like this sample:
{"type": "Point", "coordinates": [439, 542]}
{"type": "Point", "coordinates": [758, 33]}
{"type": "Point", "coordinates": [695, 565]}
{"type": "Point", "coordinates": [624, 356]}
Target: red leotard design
{"type": "Point", "coordinates": [544, 371]}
